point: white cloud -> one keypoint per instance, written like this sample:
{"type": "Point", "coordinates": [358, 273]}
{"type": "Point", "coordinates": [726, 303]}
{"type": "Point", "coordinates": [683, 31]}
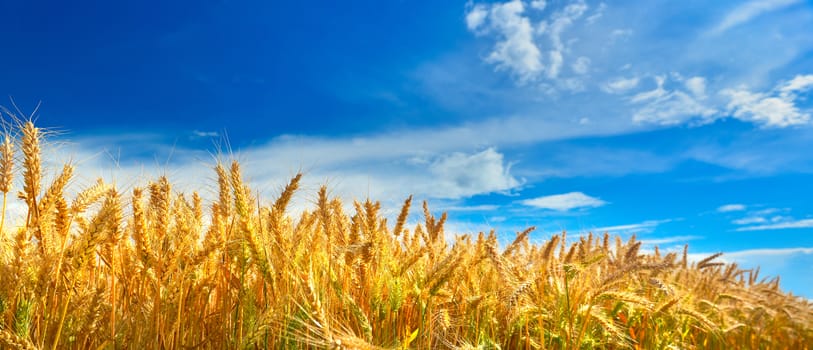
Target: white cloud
{"type": "Point", "coordinates": [766, 109]}
{"type": "Point", "coordinates": [805, 223]}
{"type": "Point", "coordinates": [481, 207]}
{"type": "Point", "coordinates": [697, 86]}
{"type": "Point", "coordinates": [637, 228]}
{"type": "Point", "coordinates": [620, 33]}
{"type": "Point", "coordinates": [750, 253]}
{"type": "Point", "coordinates": [731, 207]}
{"type": "Point", "coordinates": [581, 65]}
{"type": "Point", "coordinates": [538, 4]}
{"type": "Point", "coordinates": [476, 17]}
{"type": "Point", "coordinates": [669, 107]}
{"type": "Point", "coordinates": [560, 21]}
{"type": "Point", "coordinates": [198, 133]}
{"type": "Point", "coordinates": [749, 11]}
{"type": "Point", "coordinates": [762, 257]}
{"type": "Point", "coordinates": [515, 49]}
{"type": "Point", "coordinates": [798, 83]}
{"type": "Point", "coordinates": [673, 108]}
{"type": "Point", "coordinates": [768, 211]}
{"type": "Point", "coordinates": [463, 175]}
{"type": "Point", "coordinates": [451, 162]}
{"type": "Point", "coordinates": [571, 84]}
{"type": "Point", "coordinates": [750, 220]}
{"type": "Point", "coordinates": [564, 202]}
{"type": "Point", "coordinates": [555, 65]}
{"type": "Point", "coordinates": [598, 13]}
{"type": "Point", "coordinates": [620, 85]}
{"type": "Point", "coordinates": [658, 92]}
{"type": "Point", "coordinates": [777, 111]}
{"type": "Point", "coordinates": [669, 240]}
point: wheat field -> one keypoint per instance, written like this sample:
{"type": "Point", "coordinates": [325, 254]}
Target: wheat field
{"type": "Point", "coordinates": [154, 268]}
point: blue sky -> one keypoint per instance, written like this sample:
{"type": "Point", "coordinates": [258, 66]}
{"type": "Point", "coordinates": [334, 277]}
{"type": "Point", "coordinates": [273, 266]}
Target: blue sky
{"type": "Point", "coordinates": [683, 122]}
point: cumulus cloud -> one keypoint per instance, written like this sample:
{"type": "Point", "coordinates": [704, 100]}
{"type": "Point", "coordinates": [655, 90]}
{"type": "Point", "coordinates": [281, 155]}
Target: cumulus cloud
{"type": "Point", "coordinates": [462, 175]}
{"type": "Point", "coordinates": [748, 11]}
{"type": "Point", "coordinates": [775, 108]}
{"type": "Point", "coordinates": [517, 48]}
{"type": "Point", "coordinates": [730, 207]}
{"type": "Point", "coordinates": [564, 202]}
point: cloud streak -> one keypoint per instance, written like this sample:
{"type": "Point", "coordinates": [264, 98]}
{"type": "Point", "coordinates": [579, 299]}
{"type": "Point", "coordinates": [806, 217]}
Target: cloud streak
{"type": "Point", "coordinates": [794, 224]}
{"type": "Point", "coordinates": [748, 11]}
{"type": "Point", "coordinates": [731, 207]}
{"type": "Point", "coordinates": [637, 228]}
{"type": "Point", "coordinates": [565, 201]}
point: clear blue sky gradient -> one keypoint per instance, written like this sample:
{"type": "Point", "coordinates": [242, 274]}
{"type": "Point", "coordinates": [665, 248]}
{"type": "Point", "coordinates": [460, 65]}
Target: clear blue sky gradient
{"type": "Point", "coordinates": [683, 122]}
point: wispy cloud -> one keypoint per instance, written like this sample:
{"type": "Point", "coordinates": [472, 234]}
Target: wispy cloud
{"type": "Point", "coordinates": [744, 254]}
{"type": "Point", "coordinates": [792, 224]}
{"type": "Point", "coordinates": [750, 220]}
{"type": "Point", "coordinates": [673, 107]}
{"type": "Point", "coordinates": [620, 85]}
{"type": "Point", "coordinates": [559, 22]}
{"type": "Point", "coordinates": [515, 49]}
{"type": "Point", "coordinates": [464, 208]}
{"type": "Point", "coordinates": [755, 257]}
{"type": "Point", "coordinates": [775, 108]}
{"type": "Point", "coordinates": [748, 11]}
{"type": "Point", "coordinates": [565, 201]}
{"type": "Point", "coordinates": [731, 207]}
{"type": "Point", "coordinates": [641, 227]}
{"type": "Point", "coordinates": [669, 240]}
{"type": "Point", "coordinates": [766, 152]}
{"type": "Point", "coordinates": [517, 34]}
{"type": "Point", "coordinates": [200, 134]}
